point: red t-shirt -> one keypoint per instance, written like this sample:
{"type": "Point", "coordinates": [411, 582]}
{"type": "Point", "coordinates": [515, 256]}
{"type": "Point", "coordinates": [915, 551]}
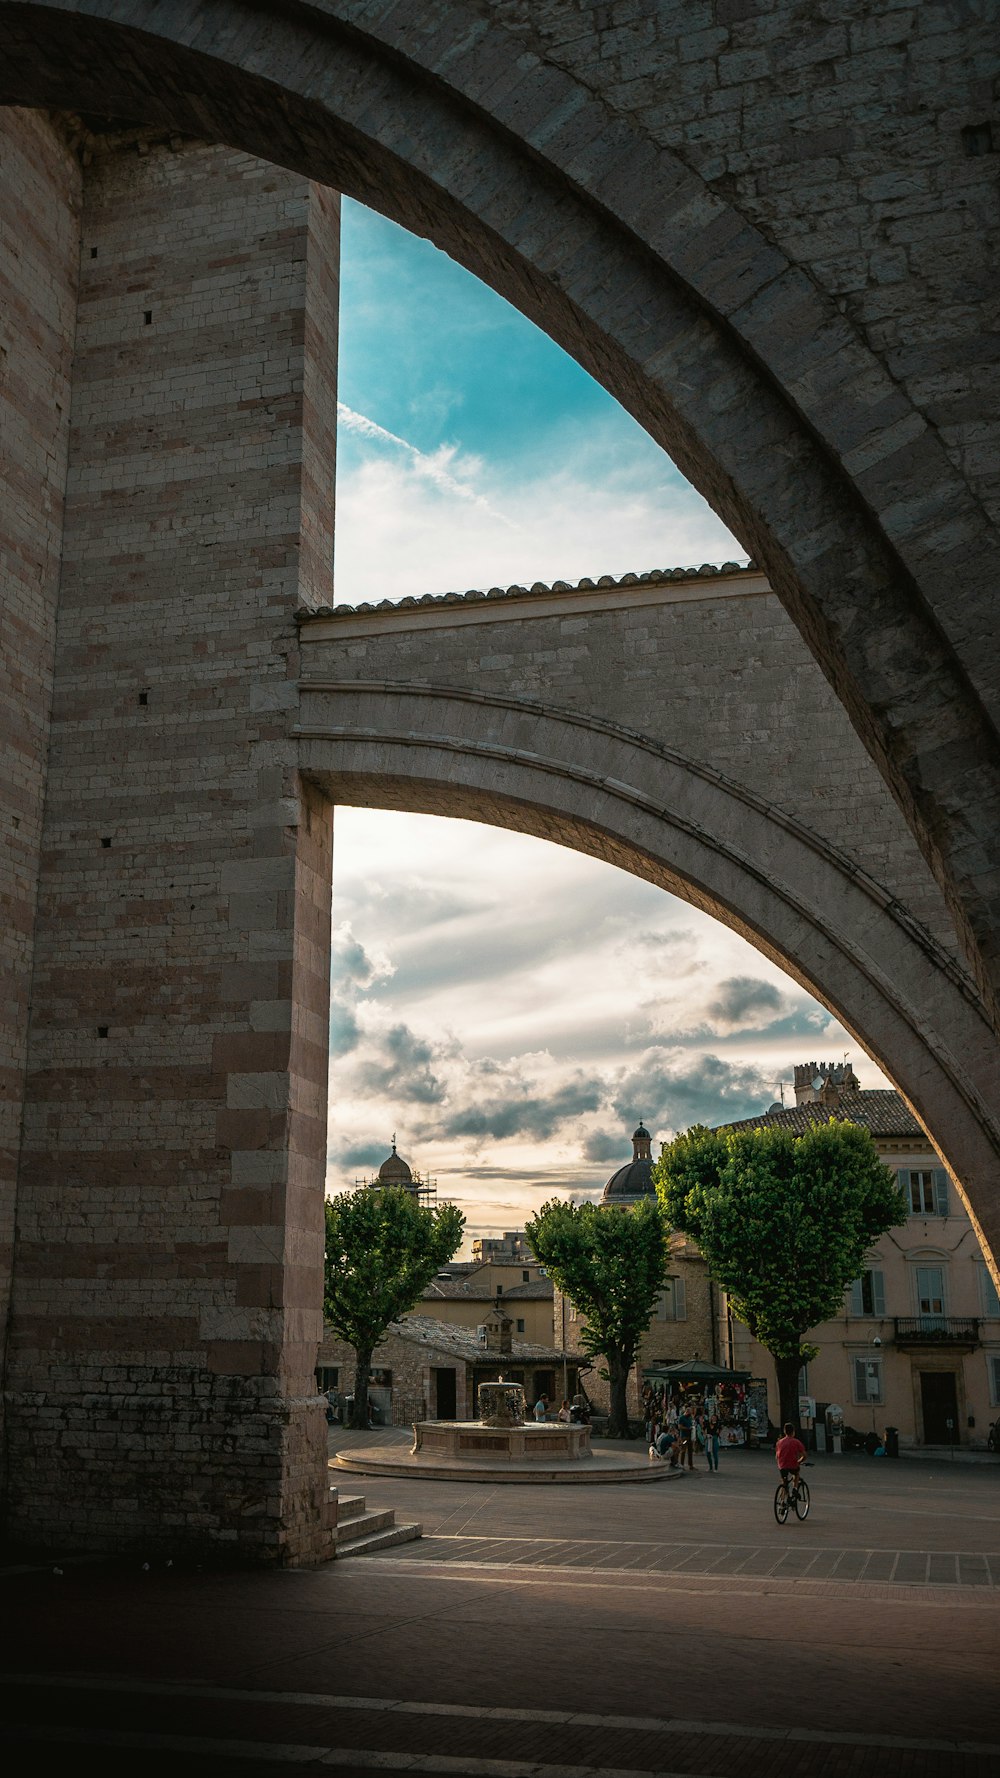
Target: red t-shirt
{"type": "Point", "coordinates": [789, 1452]}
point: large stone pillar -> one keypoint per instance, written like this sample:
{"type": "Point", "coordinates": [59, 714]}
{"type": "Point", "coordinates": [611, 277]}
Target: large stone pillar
{"type": "Point", "coordinates": [167, 1282]}
{"type": "Point", "coordinates": [39, 257]}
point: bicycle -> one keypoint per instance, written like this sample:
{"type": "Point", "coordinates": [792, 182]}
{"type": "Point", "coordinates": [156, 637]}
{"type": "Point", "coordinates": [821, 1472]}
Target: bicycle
{"type": "Point", "coordinates": [789, 1494]}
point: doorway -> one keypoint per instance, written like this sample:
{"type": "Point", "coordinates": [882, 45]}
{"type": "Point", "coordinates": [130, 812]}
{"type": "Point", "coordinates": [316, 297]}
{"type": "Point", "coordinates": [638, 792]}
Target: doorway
{"type": "Point", "coordinates": [445, 1397]}
{"type": "Point", "coordinates": [939, 1401]}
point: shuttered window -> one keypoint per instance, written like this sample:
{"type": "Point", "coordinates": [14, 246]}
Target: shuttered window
{"type": "Point", "coordinates": [994, 1363]}
{"type": "Point", "coordinates": [672, 1304]}
{"type": "Point", "coordinates": [988, 1292]}
{"type": "Point", "coordinates": [868, 1294]}
{"type": "Point", "coordinates": [867, 1373]}
{"type": "Point", "coordinates": [925, 1190]}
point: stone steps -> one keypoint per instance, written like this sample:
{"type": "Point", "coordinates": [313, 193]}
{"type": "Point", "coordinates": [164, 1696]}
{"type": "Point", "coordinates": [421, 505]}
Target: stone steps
{"type": "Point", "coordinates": [361, 1530]}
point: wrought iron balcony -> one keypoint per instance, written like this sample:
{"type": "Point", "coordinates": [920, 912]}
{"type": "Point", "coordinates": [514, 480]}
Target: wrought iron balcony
{"type": "Point", "coordinates": [937, 1331]}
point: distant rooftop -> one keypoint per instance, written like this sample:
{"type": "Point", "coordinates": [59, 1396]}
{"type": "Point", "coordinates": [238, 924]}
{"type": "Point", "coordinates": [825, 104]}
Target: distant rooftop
{"type": "Point", "coordinates": [878, 1109]}
{"type": "Point", "coordinates": [463, 1342]}
{"type": "Point", "coordinates": [475, 1289]}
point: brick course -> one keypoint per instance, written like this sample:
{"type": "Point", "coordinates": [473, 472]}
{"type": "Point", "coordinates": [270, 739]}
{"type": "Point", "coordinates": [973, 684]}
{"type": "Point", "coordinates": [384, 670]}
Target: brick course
{"type": "Point", "coordinates": [177, 1048]}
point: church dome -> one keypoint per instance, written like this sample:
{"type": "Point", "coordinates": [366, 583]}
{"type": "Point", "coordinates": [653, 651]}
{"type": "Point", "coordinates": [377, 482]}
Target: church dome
{"type": "Point", "coordinates": [635, 1179]}
{"type": "Point", "coordinates": [394, 1170]}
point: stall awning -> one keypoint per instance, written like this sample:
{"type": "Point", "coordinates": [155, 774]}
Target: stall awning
{"type": "Point", "coordinates": [693, 1370]}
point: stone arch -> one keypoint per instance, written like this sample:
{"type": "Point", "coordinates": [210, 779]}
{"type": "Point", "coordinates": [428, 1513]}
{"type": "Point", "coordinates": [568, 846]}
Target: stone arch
{"type": "Point", "coordinates": [732, 355]}
{"type": "Point", "coordinates": [662, 816]}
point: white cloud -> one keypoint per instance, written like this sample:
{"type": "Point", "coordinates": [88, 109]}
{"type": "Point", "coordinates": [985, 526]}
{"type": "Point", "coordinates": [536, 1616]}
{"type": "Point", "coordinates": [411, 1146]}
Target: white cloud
{"type": "Point", "coordinates": [431, 466]}
{"type": "Point", "coordinates": [409, 523]}
{"type": "Point", "coordinates": [511, 1009]}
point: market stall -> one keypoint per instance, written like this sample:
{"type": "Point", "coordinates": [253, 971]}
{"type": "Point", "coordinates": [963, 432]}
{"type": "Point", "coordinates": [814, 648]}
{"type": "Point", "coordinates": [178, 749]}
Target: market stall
{"type": "Point", "coordinates": [739, 1399]}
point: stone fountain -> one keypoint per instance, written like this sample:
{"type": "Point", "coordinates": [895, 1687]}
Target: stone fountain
{"type": "Point", "coordinates": [501, 1434]}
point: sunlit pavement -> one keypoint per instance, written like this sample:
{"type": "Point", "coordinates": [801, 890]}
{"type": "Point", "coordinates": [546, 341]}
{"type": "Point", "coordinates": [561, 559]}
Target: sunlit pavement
{"type": "Point", "coordinates": [551, 1630]}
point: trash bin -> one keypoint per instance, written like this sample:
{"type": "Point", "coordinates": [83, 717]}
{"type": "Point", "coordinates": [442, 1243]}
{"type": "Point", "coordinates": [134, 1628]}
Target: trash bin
{"type": "Point", "coordinates": [892, 1441]}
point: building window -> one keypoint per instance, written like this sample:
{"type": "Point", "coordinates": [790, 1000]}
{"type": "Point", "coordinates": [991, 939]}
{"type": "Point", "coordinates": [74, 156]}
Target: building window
{"type": "Point", "coordinates": [672, 1301]}
{"type": "Point", "coordinates": [572, 1311]}
{"type": "Point", "coordinates": [526, 1277]}
{"type": "Point", "coordinates": [988, 1297]}
{"type": "Point", "coordinates": [930, 1295]}
{"type": "Point", "coordinates": [327, 1377]}
{"type": "Point", "coordinates": [867, 1374]}
{"type": "Point", "coordinates": [925, 1190]}
{"type": "Point", "coordinates": [868, 1294]}
{"type": "Point", "coordinates": [994, 1363]}
{"type": "Point", "coordinates": [520, 1324]}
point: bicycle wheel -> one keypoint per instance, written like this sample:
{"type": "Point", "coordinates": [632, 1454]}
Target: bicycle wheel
{"type": "Point", "coordinates": [802, 1500]}
{"type": "Point", "coordinates": [781, 1503]}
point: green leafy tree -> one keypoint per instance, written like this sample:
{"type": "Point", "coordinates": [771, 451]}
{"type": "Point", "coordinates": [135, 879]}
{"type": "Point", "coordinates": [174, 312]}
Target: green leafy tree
{"type": "Point", "coordinates": [611, 1262]}
{"type": "Point", "coordinates": [382, 1250]}
{"type": "Point", "coordinates": [785, 1223]}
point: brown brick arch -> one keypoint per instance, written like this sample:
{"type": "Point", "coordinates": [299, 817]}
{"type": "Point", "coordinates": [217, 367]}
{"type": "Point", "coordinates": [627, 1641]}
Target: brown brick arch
{"type": "Point", "coordinates": [516, 137]}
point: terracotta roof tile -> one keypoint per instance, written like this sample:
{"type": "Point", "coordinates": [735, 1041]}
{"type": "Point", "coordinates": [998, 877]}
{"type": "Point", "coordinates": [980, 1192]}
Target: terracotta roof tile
{"type": "Point", "coordinates": [654, 577]}
{"type": "Point", "coordinates": [878, 1109]}
{"type": "Point", "coordinates": [463, 1342]}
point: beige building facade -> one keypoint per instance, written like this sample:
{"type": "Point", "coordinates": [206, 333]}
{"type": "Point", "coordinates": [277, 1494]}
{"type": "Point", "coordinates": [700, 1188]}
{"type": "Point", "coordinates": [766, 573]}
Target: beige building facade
{"type": "Point", "coordinates": [917, 1344]}
{"type": "Point", "coordinates": [463, 1296]}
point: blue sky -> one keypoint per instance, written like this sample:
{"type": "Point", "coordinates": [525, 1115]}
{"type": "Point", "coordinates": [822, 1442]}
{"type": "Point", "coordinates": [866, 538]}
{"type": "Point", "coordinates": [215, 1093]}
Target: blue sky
{"type": "Point", "coordinates": [513, 1049]}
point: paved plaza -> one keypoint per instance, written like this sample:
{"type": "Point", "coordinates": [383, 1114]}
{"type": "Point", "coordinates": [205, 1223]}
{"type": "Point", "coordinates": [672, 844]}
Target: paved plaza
{"type": "Point", "coordinates": [549, 1630]}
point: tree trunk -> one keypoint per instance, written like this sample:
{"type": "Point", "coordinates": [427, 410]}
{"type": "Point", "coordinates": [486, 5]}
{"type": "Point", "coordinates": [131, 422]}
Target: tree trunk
{"type": "Point", "coordinates": [787, 1370]}
{"type": "Point", "coordinates": [618, 1387]}
{"type": "Point", "coordinates": [359, 1412]}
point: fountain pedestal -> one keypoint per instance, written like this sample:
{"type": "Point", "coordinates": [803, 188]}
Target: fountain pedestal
{"type": "Point", "coordinates": [536, 1442]}
{"type": "Point", "coordinates": [501, 1434]}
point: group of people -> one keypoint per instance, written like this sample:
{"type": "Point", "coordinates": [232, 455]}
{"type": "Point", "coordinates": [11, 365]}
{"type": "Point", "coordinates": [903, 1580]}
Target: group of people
{"type": "Point", "coordinates": [675, 1426]}
{"type": "Point", "coordinates": [570, 1413]}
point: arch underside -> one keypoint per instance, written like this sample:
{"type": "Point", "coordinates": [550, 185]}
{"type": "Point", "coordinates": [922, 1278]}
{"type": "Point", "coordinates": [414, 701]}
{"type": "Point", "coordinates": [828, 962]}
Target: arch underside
{"type": "Point", "coordinates": [666, 819]}
{"type": "Point", "coordinates": [731, 356]}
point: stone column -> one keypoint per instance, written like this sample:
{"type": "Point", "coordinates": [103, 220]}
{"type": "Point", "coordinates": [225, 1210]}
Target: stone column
{"type": "Point", "coordinates": [39, 257]}
{"type": "Point", "coordinates": [167, 1284]}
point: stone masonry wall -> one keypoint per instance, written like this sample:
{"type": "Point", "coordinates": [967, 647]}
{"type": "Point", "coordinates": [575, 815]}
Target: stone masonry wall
{"type": "Point", "coordinates": [861, 139]}
{"type": "Point", "coordinates": [39, 258]}
{"type": "Point", "coordinates": [768, 226]}
{"type": "Point", "coordinates": [411, 1365]}
{"type": "Point", "coordinates": [719, 673]}
{"type": "Point", "coordinates": [167, 1298]}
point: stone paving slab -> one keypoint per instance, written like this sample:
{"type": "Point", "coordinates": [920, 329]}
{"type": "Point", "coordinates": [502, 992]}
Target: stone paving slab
{"type": "Point", "coordinates": [324, 1732]}
{"type": "Point", "coordinates": [899, 1567]}
{"type": "Point", "coordinates": [621, 1631]}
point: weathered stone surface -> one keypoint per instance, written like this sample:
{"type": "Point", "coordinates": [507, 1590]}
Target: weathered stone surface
{"type": "Point", "coordinates": [764, 229]}
{"type": "Point", "coordinates": [767, 228]}
{"type": "Point", "coordinates": [38, 271]}
{"type": "Point", "coordinates": [680, 730]}
{"type": "Point", "coordinates": [184, 880]}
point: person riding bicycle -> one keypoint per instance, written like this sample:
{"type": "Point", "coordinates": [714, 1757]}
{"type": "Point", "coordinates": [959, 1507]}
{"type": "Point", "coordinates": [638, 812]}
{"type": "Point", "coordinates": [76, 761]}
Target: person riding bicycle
{"type": "Point", "coordinates": [789, 1454]}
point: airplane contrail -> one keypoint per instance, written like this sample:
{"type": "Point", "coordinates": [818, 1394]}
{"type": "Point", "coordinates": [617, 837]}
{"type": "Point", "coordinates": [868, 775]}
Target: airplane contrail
{"type": "Point", "coordinates": [426, 465]}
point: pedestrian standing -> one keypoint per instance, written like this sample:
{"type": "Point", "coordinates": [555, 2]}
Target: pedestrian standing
{"type": "Point", "coordinates": [712, 1430]}
{"type": "Point", "coordinates": [685, 1430]}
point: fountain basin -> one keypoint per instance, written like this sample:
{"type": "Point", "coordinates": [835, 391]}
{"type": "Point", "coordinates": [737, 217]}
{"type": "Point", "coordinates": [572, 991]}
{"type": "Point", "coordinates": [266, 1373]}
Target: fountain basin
{"type": "Point", "coordinates": [474, 1441]}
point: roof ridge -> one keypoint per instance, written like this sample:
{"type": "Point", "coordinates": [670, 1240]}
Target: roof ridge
{"type": "Point", "coordinates": [538, 589]}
